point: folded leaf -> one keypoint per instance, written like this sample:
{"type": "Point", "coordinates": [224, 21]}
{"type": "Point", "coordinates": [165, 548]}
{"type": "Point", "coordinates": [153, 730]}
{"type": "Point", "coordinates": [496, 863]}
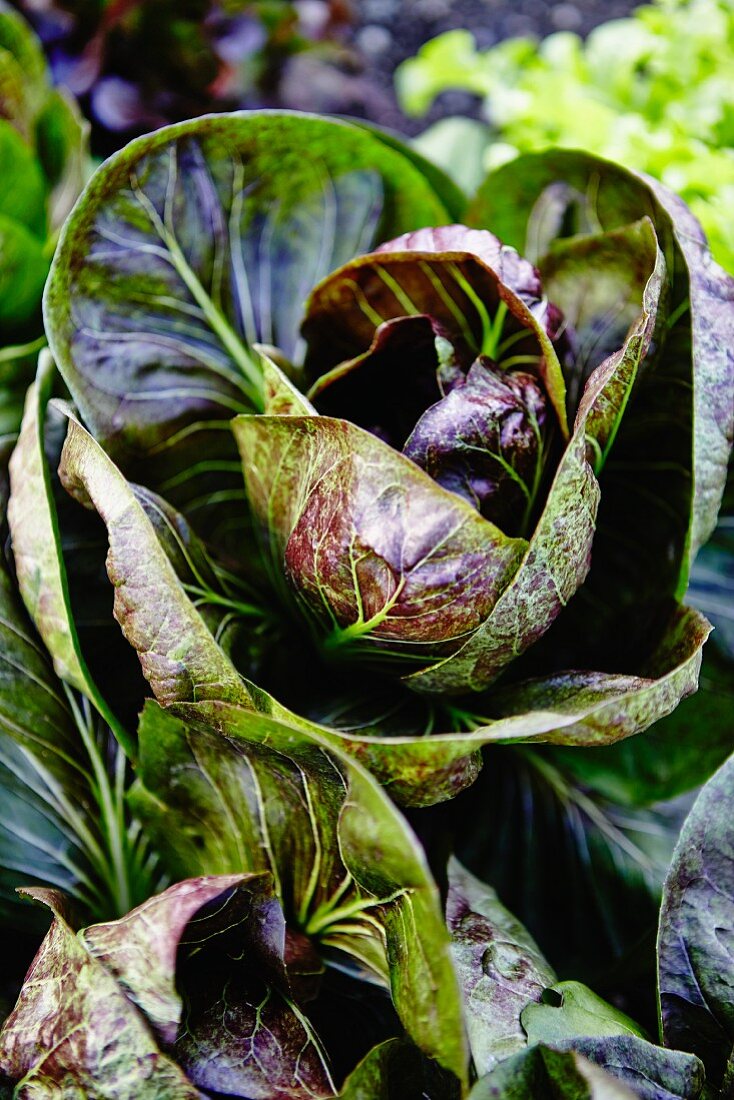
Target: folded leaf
{"type": "Point", "coordinates": [178, 653]}
{"type": "Point", "coordinates": [684, 442]}
{"type": "Point", "coordinates": [559, 554]}
{"type": "Point", "coordinates": [452, 275]}
{"type": "Point", "coordinates": [73, 1027]}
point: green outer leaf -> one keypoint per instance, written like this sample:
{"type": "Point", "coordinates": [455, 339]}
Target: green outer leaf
{"type": "Point", "coordinates": [558, 556]}
{"type": "Point", "coordinates": [452, 197]}
{"type": "Point", "coordinates": [500, 968]}
{"type": "Point", "coordinates": [568, 709]}
{"type": "Point", "coordinates": [372, 839]}
{"type": "Point", "coordinates": [580, 1013]}
{"type": "Point", "coordinates": [68, 998]}
{"type": "Point", "coordinates": [598, 281]}
{"type": "Point", "coordinates": [49, 828]}
{"type": "Point", "coordinates": [248, 181]}
{"type": "Point", "coordinates": [39, 564]}
{"type": "Point", "coordinates": [177, 652]}
{"type": "Point", "coordinates": [546, 1074]}
{"type": "Point", "coordinates": [367, 539]}
{"type": "Point", "coordinates": [695, 972]}
{"type": "Point", "coordinates": [621, 196]}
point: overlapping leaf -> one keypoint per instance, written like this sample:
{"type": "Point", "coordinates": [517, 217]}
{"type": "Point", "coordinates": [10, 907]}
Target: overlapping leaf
{"type": "Point", "coordinates": [223, 789]}
{"type": "Point", "coordinates": [190, 245]}
{"type": "Point", "coordinates": [662, 485]}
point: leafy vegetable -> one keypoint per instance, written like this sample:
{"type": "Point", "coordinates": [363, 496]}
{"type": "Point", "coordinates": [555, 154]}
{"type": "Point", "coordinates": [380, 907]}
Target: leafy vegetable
{"type": "Point", "coordinates": [649, 91]}
{"type": "Point", "coordinates": [421, 554]}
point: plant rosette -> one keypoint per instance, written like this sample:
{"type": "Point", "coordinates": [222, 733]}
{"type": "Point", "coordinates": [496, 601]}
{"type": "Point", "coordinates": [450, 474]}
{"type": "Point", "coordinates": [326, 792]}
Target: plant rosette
{"type": "Point", "coordinates": [473, 487]}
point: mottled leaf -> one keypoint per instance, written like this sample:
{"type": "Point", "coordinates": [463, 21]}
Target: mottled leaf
{"type": "Point", "coordinates": [598, 281]}
{"type": "Point", "coordinates": [558, 556]}
{"type": "Point", "coordinates": [585, 873]}
{"type": "Point", "coordinates": [36, 541]}
{"type": "Point", "coordinates": [547, 1074]}
{"type": "Point", "coordinates": [454, 275]}
{"type": "Point", "coordinates": [190, 245]}
{"type": "Point", "coordinates": [178, 653]}
{"type": "Point", "coordinates": [670, 456]}
{"type": "Point", "coordinates": [73, 1029]}
{"type": "Point", "coordinates": [695, 971]}
{"type": "Point", "coordinates": [204, 962]}
{"type": "Point", "coordinates": [650, 1072]}
{"type": "Point", "coordinates": [233, 791]}
{"type": "Point", "coordinates": [500, 968]}
{"type": "Point", "coordinates": [383, 561]}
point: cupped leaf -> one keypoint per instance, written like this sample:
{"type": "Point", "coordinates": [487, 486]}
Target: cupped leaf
{"type": "Point", "coordinates": [547, 1074]}
{"type": "Point", "coordinates": [178, 653]}
{"type": "Point", "coordinates": [559, 553]}
{"type": "Point", "coordinates": [453, 275]}
{"type": "Point", "coordinates": [205, 964]}
{"type": "Point", "coordinates": [486, 441]}
{"type": "Point", "coordinates": [383, 562]}
{"type": "Point", "coordinates": [74, 1028]}
{"type": "Point", "coordinates": [598, 281]}
{"type": "Point", "coordinates": [500, 968]}
{"type": "Point", "coordinates": [190, 245]}
{"type": "Point", "coordinates": [678, 432]}
{"type": "Point", "coordinates": [695, 971]}
{"type": "Point", "coordinates": [247, 793]}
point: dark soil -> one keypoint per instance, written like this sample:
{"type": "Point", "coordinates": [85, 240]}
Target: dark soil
{"type": "Point", "coordinates": [385, 32]}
